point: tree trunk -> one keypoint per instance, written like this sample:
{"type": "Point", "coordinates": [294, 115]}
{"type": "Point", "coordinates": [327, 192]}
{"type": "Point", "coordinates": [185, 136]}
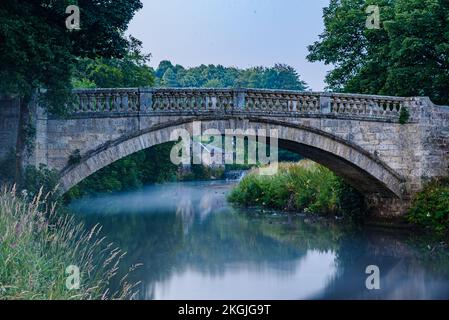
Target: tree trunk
{"type": "Point", "coordinates": [22, 132]}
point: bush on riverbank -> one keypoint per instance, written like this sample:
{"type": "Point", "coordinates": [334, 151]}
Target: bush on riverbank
{"type": "Point", "coordinates": [430, 207]}
{"type": "Point", "coordinates": [303, 186]}
{"type": "Point", "coordinates": [199, 172]}
{"type": "Point", "coordinates": [36, 247]}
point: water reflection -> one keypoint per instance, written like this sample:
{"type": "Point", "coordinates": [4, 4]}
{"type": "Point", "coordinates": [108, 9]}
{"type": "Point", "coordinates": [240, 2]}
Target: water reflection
{"type": "Point", "coordinates": [195, 246]}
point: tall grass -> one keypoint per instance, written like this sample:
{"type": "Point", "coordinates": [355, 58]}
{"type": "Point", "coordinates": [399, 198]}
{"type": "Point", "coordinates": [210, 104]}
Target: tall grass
{"type": "Point", "coordinates": [38, 243]}
{"type": "Point", "coordinates": [303, 186]}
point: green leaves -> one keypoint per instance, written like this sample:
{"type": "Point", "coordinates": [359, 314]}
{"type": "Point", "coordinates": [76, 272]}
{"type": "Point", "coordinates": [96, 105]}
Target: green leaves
{"type": "Point", "coordinates": [430, 207]}
{"type": "Point", "coordinates": [304, 186]}
{"type": "Point", "coordinates": [37, 51]}
{"type": "Point", "coordinates": [131, 70]}
{"type": "Point", "coordinates": [408, 56]}
{"type": "Point", "coordinates": [280, 76]}
{"type": "Point", "coordinates": [404, 115]}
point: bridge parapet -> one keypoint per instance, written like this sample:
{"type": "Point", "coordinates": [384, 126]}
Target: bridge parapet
{"type": "Point", "coordinates": [246, 101]}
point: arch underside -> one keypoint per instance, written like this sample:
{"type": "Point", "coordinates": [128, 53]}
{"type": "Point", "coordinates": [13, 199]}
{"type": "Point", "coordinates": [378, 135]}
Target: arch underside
{"type": "Point", "coordinates": [356, 166]}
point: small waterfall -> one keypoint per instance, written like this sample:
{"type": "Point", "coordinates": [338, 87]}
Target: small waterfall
{"type": "Point", "coordinates": [242, 175]}
{"type": "Point", "coordinates": [235, 175]}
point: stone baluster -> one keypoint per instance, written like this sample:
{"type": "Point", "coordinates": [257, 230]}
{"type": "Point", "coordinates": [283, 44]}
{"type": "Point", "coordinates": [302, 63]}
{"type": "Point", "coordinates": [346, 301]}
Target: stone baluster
{"type": "Point", "coordinates": [203, 101]}
{"type": "Point", "coordinates": [363, 106]}
{"type": "Point", "coordinates": [256, 104]}
{"type": "Point", "coordinates": [388, 108]}
{"type": "Point", "coordinates": [291, 103]}
{"type": "Point", "coordinates": [182, 98]}
{"type": "Point", "coordinates": [383, 107]}
{"type": "Point", "coordinates": [178, 101]}
{"type": "Point", "coordinates": [98, 102]}
{"type": "Point", "coordinates": [396, 108]}
{"type": "Point", "coordinates": [316, 104]}
{"type": "Point", "coordinates": [333, 105]}
{"type": "Point", "coordinates": [106, 97]}
{"type": "Point", "coordinates": [300, 104]}
{"type": "Point", "coordinates": [170, 96]}
{"type": "Point", "coordinates": [374, 107]}
{"type": "Point", "coordinates": [277, 104]}
{"type": "Point", "coordinates": [115, 101]}
{"type": "Point", "coordinates": [136, 101]}
{"type": "Point", "coordinates": [82, 102]}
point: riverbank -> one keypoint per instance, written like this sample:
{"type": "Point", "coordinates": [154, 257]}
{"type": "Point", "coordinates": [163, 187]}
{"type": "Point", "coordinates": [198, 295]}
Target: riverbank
{"type": "Point", "coordinates": [42, 249]}
{"type": "Point", "coordinates": [311, 188]}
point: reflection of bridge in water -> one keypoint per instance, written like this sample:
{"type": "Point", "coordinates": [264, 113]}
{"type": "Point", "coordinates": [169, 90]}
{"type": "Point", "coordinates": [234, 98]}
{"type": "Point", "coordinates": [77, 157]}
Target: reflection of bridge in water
{"type": "Point", "coordinates": [357, 136]}
{"type": "Point", "coordinates": [198, 203]}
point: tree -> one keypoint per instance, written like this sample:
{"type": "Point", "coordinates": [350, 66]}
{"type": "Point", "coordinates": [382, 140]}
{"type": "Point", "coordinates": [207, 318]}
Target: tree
{"type": "Point", "coordinates": [164, 65]}
{"type": "Point", "coordinates": [408, 56]}
{"type": "Point", "coordinates": [280, 76]}
{"type": "Point", "coordinates": [169, 79]}
{"type": "Point", "coordinates": [419, 49]}
{"type": "Point", "coordinates": [38, 52]}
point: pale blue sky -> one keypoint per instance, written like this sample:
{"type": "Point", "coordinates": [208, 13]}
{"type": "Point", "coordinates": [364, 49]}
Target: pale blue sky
{"type": "Point", "coordinates": [240, 33]}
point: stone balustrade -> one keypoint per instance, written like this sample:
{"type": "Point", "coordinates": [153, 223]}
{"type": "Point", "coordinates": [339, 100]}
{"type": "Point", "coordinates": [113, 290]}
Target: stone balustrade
{"type": "Point", "coordinates": [106, 100]}
{"type": "Point", "coordinates": [270, 102]}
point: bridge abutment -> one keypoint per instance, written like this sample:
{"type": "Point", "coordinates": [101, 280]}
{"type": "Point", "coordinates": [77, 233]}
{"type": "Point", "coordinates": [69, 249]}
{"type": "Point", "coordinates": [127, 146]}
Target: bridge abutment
{"type": "Point", "coordinates": [380, 207]}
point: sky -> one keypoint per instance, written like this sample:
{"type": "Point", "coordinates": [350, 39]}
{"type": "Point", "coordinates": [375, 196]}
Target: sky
{"type": "Point", "coordinates": [238, 33]}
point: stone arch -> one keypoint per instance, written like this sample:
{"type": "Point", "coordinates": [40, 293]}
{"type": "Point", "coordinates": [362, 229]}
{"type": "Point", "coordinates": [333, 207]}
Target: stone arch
{"type": "Point", "coordinates": [358, 167]}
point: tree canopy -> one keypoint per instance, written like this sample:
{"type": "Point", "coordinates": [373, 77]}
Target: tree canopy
{"type": "Point", "coordinates": [407, 56]}
{"type": "Point", "coordinates": [281, 76]}
{"type": "Point", "coordinates": [39, 52]}
{"type": "Point", "coordinates": [130, 71]}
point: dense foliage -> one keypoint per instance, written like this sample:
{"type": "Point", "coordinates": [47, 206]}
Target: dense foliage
{"type": "Point", "coordinates": [39, 54]}
{"type": "Point", "coordinates": [407, 56]}
{"type": "Point", "coordinates": [305, 186]}
{"type": "Point", "coordinates": [131, 70]}
{"type": "Point", "coordinates": [280, 76]}
{"type": "Point", "coordinates": [148, 166]}
{"type": "Point", "coordinates": [38, 51]}
{"type": "Point", "coordinates": [430, 207]}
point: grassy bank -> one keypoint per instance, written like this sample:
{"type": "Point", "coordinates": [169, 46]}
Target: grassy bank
{"type": "Point", "coordinates": [38, 243]}
{"type": "Point", "coordinates": [303, 186]}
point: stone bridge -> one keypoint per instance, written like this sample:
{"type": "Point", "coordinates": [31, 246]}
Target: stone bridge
{"type": "Point", "coordinates": [359, 137]}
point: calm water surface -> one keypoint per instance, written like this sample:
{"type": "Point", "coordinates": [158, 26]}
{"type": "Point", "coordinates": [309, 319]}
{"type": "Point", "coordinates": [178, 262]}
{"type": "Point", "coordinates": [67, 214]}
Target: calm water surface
{"type": "Point", "coordinates": [194, 245]}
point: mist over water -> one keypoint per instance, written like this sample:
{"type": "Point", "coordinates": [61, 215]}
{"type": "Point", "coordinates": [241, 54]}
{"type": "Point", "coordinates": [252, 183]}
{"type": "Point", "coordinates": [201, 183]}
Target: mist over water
{"type": "Point", "coordinates": [194, 245]}
{"type": "Point", "coordinates": [184, 196]}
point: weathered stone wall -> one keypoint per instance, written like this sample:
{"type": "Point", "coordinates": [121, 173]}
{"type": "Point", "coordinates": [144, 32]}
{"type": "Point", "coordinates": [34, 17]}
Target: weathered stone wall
{"type": "Point", "coordinates": [435, 142]}
{"type": "Point", "coordinates": [9, 122]}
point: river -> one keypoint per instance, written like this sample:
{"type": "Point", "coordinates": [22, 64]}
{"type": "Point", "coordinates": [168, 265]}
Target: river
{"type": "Point", "coordinates": [192, 245]}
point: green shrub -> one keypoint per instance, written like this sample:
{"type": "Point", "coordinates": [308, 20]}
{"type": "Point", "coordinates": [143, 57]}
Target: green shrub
{"type": "Point", "coordinates": [304, 186]}
{"type": "Point", "coordinates": [404, 115]}
{"type": "Point", "coordinates": [41, 178]}
{"type": "Point", "coordinates": [7, 168]}
{"type": "Point", "coordinates": [75, 158]}
{"type": "Point", "coordinates": [351, 203]}
{"type": "Point", "coordinates": [430, 207]}
{"type": "Point", "coordinates": [201, 172]}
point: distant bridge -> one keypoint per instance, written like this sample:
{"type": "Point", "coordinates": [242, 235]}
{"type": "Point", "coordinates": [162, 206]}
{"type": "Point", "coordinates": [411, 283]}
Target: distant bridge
{"type": "Point", "coordinates": [359, 137]}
